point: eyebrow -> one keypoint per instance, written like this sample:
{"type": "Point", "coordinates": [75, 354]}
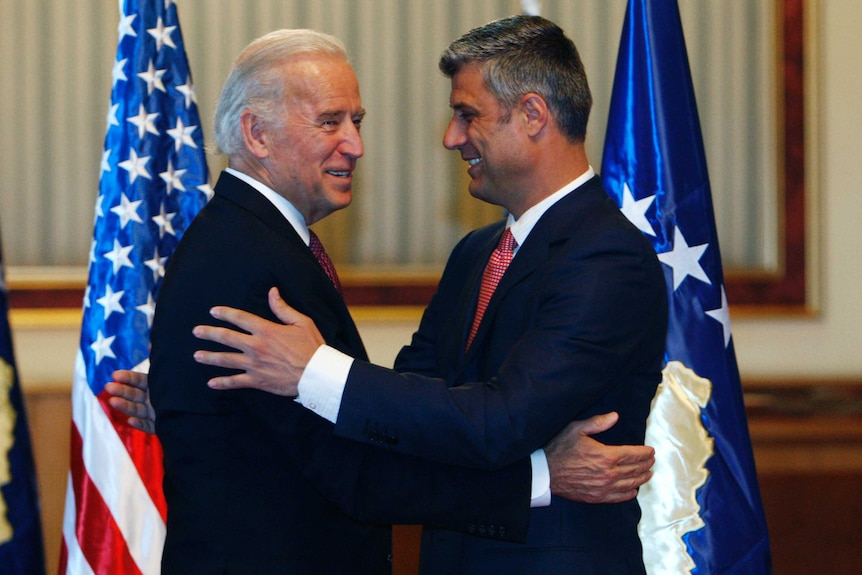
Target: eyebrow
{"type": "Point", "coordinates": [331, 114]}
{"type": "Point", "coordinates": [460, 107]}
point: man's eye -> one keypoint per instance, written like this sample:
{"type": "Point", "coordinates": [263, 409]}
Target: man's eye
{"type": "Point", "coordinates": [358, 124]}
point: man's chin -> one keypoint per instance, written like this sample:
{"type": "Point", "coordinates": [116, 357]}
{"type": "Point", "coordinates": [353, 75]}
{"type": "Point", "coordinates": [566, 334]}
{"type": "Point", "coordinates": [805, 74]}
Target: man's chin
{"type": "Point", "coordinates": [479, 192]}
{"type": "Point", "coordinates": [342, 199]}
{"type": "Point", "coordinates": [334, 201]}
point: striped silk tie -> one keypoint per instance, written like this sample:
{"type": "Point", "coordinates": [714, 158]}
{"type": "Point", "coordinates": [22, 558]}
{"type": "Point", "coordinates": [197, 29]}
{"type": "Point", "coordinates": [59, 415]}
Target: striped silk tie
{"type": "Point", "coordinates": [323, 259]}
{"type": "Point", "coordinates": [494, 270]}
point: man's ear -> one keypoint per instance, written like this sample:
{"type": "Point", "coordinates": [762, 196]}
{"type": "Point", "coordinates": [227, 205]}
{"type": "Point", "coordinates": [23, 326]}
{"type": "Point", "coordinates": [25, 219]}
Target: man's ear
{"type": "Point", "coordinates": [254, 134]}
{"type": "Point", "coordinates": [535, 113]}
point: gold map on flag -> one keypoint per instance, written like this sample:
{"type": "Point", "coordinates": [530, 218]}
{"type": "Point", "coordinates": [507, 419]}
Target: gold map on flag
{"type": "Point", "coordinates": [7, 440]}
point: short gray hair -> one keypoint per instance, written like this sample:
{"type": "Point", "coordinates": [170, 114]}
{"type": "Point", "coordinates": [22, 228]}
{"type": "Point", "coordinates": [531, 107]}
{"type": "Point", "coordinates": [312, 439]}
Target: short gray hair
{"type": "Point", "coordinates": [255, 80]}
{"type": "Point", "coordinates": [523, 54]}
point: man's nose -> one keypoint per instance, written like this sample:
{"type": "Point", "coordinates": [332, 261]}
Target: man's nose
{"type": "Point", "coordinates": [455, 135]}
{"type": "Point", "coordinates": [352, 145]}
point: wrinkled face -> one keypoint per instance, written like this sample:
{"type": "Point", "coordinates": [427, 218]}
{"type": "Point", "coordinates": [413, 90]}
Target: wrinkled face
{"type": "Point", "coordinates": [312, 152]}
{"type": "Point", "coordinates": [492, 145]}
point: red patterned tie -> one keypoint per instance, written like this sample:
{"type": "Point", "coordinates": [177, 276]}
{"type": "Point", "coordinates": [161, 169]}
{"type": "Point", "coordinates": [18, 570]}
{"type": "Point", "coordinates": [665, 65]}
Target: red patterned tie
{"type": "Point", "coordinates": [323, 259]}
{"type": "Point", "coordinates": [494, 270]}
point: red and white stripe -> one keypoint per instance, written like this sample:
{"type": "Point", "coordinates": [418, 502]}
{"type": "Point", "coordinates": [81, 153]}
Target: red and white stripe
{"type": "Point", "coordinates": [114, 522]}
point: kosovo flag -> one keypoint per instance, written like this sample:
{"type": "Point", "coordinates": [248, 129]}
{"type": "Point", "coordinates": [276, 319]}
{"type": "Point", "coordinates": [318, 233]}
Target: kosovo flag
{"type": "Point", "coordinates": [702, 511]}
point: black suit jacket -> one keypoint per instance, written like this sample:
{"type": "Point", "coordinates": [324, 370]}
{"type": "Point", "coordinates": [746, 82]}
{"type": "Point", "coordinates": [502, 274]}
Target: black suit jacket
{"type": "Point", "coordinates": [576, 327]}
{"type": "Point", "coordinates": [254, 482]}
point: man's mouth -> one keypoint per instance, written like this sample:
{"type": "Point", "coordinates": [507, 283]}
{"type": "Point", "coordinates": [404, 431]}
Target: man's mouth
{"type": "Point", "coordinates": [474, 161]}
{"type": "Point", "coordinates": [339, 174]}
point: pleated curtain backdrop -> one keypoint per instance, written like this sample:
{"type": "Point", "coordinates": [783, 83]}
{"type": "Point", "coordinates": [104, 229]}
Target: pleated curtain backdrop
{"type": "Point", "coordinates": [411, 203]}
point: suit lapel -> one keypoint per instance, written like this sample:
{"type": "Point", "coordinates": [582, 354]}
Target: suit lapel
{"type": "Point", "coordinates": [470, 292]}
{"type": "Point", "coordinates": [529, 256]}
{"type": "Point", "coordinates": [247, 198]}
{"type": "Point", "coordinates": [240, 193]}
{"type": "Point", "coordinates": [556, 224]}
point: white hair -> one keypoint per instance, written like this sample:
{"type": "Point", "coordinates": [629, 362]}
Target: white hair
{"type": "Point", "coordinates": [255, 81]}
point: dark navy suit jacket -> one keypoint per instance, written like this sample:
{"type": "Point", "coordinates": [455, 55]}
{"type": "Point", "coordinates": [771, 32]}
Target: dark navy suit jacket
{"type": "Point", "coordinates": [576, 327]}
{"type": "Point", "coordinates": [254, 482]}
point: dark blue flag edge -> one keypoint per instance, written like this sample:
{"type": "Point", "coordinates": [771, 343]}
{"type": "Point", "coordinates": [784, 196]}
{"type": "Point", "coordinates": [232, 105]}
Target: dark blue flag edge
{"type": "Point", "coordinates": [655, 167]}
{"type": "Point", "coordinates": [23, 554]}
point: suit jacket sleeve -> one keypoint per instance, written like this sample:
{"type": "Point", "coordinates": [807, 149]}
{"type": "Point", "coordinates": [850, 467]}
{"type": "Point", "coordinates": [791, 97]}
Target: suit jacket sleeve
{"type": "Point", "coordinates": [578, 330]}
{"type": "Point", "coordinates": [379, 486]}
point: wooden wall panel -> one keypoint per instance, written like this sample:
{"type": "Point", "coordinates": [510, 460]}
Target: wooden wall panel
{"type": "Point", "coordinates": [49, 414]}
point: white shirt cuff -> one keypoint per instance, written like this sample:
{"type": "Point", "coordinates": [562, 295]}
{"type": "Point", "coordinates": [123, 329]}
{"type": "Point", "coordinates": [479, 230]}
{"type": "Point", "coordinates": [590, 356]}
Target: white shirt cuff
{"type": "Point", "coordinates": [321, 388]}
{"type": "Point", "coordinates": [540, 494]}
{"type": "Point", "coordinates": [322, 383]}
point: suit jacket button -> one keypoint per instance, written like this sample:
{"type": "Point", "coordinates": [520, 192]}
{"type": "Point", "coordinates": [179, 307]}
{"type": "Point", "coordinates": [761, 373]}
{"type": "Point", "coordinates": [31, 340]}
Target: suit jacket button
{"type": "Point", "coordinates": [471, 528]}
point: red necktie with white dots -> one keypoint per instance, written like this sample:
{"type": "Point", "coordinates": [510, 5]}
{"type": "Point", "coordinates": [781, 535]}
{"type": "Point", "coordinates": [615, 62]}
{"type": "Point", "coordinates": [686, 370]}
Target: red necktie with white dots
{"type": "Point", "coordinates": [323, 259]}
{"type": "Point", "coordinates": [494, 270]}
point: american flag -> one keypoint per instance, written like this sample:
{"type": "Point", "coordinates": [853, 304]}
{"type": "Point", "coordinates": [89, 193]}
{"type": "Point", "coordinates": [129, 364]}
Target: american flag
{"type": "Point", "coordinates": [154, 180]}
{"type": "Point", "coordinates": [21, 551]}
{"type": "Point", "coordinates": [702, 511]}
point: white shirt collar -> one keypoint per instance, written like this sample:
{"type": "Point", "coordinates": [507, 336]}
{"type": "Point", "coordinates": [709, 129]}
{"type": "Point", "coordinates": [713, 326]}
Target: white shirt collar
{"type": "Point", "coordinates": [288, 210]}
{"type": "Point", "coordinates": [522, 227]}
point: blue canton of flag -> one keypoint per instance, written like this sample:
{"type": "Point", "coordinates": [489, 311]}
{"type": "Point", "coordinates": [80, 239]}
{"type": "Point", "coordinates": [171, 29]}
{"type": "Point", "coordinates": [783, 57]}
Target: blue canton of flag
{"type": "Point", "coordinates": [154, 180]}
{"type": "Point", "coordinates": [21, 551]}
{"type": "Point", "coordinates": [702, 511]}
